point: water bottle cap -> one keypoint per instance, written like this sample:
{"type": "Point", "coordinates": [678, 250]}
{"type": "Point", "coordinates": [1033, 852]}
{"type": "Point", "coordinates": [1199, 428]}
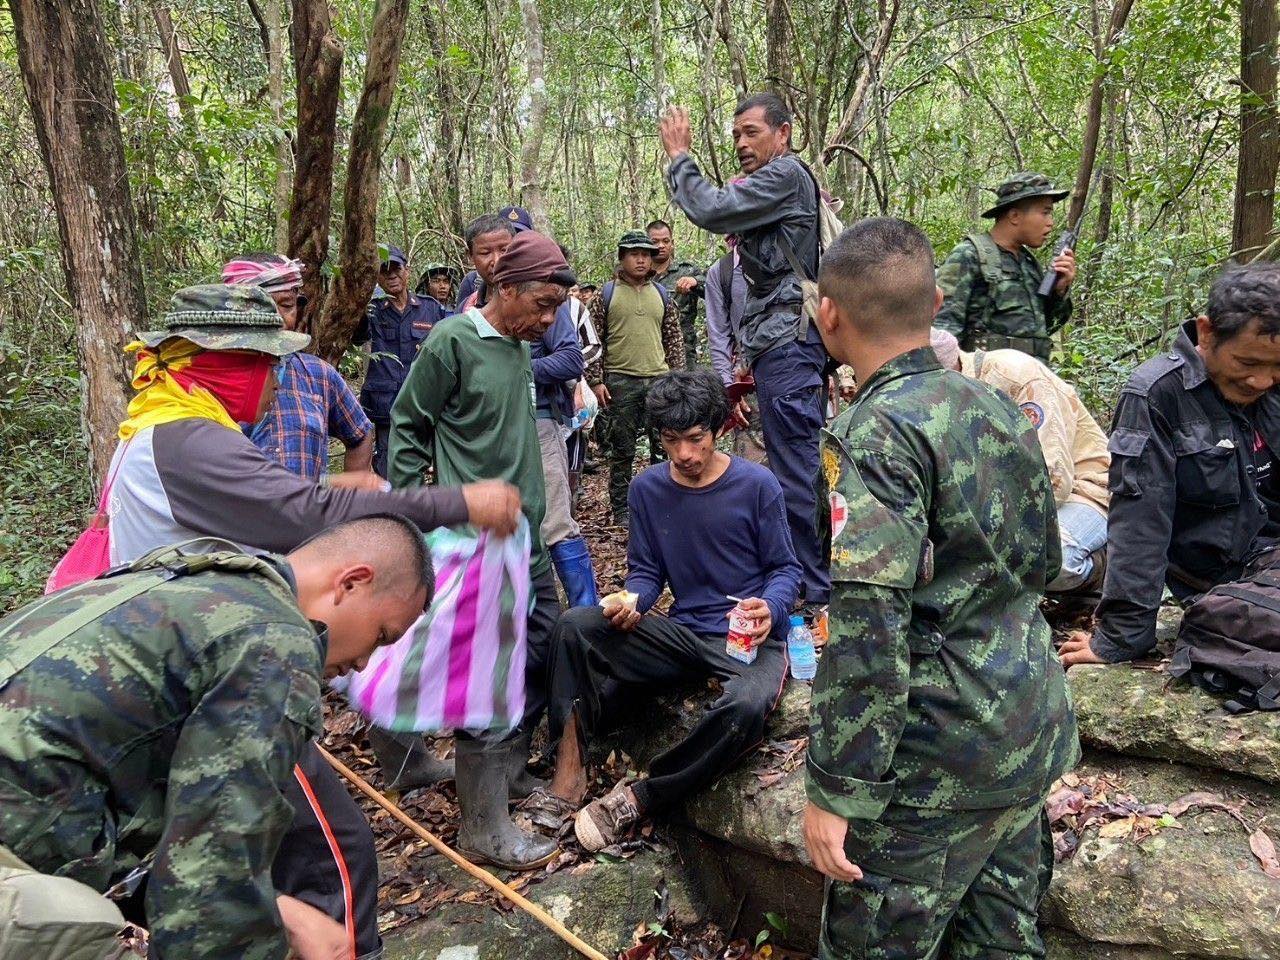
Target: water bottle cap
{"type": "Point", "coordinates": [797, 620]}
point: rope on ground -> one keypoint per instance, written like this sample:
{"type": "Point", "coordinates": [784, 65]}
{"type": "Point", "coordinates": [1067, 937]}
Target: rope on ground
{"type": "Point", "coordinates": [484, 876]}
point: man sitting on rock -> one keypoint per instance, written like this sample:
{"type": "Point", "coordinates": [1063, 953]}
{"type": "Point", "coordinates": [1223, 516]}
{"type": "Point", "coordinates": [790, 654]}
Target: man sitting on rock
{"type": "Point", "coordinates": [710, 527]}
{"type": "Point", "coordinates": [1194, 492]}
{"type": "Point", "coordinates": [1074, 446]}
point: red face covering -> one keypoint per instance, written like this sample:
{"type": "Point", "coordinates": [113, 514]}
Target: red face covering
{"type": "Point", "coordinates": [235, 379]}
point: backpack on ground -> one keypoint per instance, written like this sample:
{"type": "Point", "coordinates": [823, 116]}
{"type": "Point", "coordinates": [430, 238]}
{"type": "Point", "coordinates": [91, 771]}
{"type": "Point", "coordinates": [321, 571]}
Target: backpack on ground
{"type": "Point", "coordinates": [1229, 640]}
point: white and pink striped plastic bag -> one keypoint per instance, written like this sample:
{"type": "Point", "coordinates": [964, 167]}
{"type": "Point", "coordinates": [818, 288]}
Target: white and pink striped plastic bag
{"type": "Point", "coordinates": [461, 665]}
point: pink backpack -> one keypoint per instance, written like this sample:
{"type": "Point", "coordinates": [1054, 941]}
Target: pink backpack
{"type": "Point", "coordinates": [90, 555]}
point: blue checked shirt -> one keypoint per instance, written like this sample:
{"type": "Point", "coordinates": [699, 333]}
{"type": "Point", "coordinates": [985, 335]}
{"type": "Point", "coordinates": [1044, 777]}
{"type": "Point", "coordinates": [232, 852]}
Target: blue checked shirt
{"type": "Point", "coordinates": [312, 404]}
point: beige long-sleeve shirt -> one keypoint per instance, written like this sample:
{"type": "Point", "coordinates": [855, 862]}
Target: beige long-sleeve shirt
{"type": "Point", "coordinates": [1075, 447]}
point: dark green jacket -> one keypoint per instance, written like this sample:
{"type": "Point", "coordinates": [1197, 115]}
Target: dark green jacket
{"type": "Point", "coordinates": [939, 686]}
{"type": "Point", "coordinates": [997, 298]}
{"type": "Point", "coordinates": [164, 727]}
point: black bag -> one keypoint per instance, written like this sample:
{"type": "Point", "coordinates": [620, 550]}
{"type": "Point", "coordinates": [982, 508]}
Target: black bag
{"type": "Point", "coordinates": [1229, 641]}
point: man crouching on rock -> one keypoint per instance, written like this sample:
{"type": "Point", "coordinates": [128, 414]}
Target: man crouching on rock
{"type": "Point", "coordinates": [711, 527]}
{"type": "Point", "coordinates": [940, 715]}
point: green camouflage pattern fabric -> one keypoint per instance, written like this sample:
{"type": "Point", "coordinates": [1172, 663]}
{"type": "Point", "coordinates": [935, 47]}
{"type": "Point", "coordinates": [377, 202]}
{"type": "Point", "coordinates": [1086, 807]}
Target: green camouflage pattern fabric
{"type": "Point", "coordinates": [637, 240]}
{"type": "Point", "coordinates": [1022, 186]}
{"type": "Point", "coordinates": [971, 878]}
{"type": "Point", "coordinates": [972, 308]}
{"type": "Point", "coordinates": [939, 687]}
{"type": "Point", "coordinates": [686, 305]}
{"type": "Point", "coordinates": [626, 422]}
{"type": "Point", "coordinates": [223, 316]}
{"type": "Point", "coordinates": [164, 729]}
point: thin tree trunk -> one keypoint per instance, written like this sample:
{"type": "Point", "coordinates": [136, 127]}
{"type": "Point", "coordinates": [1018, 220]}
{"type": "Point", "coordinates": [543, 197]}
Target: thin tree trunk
{"type": "Point", "coordinates": [275, 96]}
{"type": "Point", "coordinates": [869, 73]}
{"type": "Point", "coordinates": [778, 53]}
{"type": "Point", "coordinates": [66, 70]}
{"type": "Point", "coordinates": [1093, 114]}
{"type": "Point", "coordinates": [355, 282]}
{"type": "Point", "coordinates": [737, 59]}
{"type": "Point", "coordinates": [433, 21]}
{"type": "Point", "coordinates": [317, 61]}
{"type": "Point", "coordinates": [659, 58]}
{"type": "Point", "coordinates": [707, 36]}
{"type": "Point", "coordinates": [1259, 151]}
{"type": "Point", "coordinates": [173, 60]}
{"type": "Point", "coordinates": [531, 148]}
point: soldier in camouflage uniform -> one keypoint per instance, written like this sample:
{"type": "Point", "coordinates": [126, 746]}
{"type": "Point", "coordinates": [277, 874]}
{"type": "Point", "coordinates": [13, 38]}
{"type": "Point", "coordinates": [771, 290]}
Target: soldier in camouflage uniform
{"type": "Point", "coordinates": [940, 717]}
{"type": "Point", "coordinates": [989, 281]}
{"type": "Point", "coordinates": [684, 281]}
{"type": "Point", "coordinates": [151, 719]}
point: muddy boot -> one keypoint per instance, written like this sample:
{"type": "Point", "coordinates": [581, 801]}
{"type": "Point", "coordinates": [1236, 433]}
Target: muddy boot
{"type": "Point", "coordinates": [520, 780]}
{"type": "Point", "coordinates": [407, 762]}
{"type": "Point", "coordinates": [488, 834]}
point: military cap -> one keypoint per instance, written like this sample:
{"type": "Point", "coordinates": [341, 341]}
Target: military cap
{"type": "Point", "coordinates": [637, 240]}
{"type": "Point", "coordinates": [1023, 186]}
{"type": "Point", "coordinates": [437, 268]}
{"type": "Point", "coordinates": [221, 316]}
{"type": "Point", "coordinates": [390, 253]}
{"type": "Point", "coordinates": [518, 217]}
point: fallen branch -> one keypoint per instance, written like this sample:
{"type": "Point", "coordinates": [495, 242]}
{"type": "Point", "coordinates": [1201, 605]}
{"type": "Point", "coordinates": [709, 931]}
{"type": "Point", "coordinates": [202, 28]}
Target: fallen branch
{"type": "Point", "coordinates": [484, 876]}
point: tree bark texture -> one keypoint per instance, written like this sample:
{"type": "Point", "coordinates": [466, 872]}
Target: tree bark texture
{"type": "Point", "coordinates": [1093, 115]}
{"type": "Point", "coordinates": [173, 60]}
{"type": "Point", "coordinates": [317, 59]}
{"type": "Point", "coordinates": [66, 70]}
{"type": "Point", "coordinates": [1255, 196]}
{"type": "Point", "coordinates": [433, 21]}
{"type": "Point", "coordinates": [869, 73]}
{"type": "Point", "coordinates": [779, 56]}
{"type": "Point", "coordinates": [355, 282]}
{"type": "Point", "coordinates": [659, 58]}
{"type": "Point", "coordinates": [275, 96]}
{"type": "Point", "coordinates": [531, 148]}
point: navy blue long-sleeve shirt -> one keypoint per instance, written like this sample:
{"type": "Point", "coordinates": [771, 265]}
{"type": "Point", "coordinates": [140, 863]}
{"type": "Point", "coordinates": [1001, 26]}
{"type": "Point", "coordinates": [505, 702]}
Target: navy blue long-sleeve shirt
{"type": "Point", "coordinates": [557, 362]}
{"type": "Point", "coordinates": [730, 537]}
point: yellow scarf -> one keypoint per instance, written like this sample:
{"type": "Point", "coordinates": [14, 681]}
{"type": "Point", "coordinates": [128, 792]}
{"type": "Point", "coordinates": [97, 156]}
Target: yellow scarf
{"type": "Point", "coordinates": [160, 398]}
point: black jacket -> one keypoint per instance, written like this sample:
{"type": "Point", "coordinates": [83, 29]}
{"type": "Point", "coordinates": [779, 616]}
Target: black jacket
{"type": "Point", "coordinates": [1192, 492]}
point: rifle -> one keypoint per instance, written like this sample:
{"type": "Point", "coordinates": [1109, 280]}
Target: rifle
{"type": "Point", "coordinates": [1066, 241]}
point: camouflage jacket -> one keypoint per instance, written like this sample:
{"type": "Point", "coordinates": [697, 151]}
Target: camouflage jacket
{"type": "Point", "coordinates": [165, 729]}
{"type": "Point", "coordinates": [686, 303]}
{"type": "Point", "coordinates": [971, 306]}
{"type": "Point", "coordinates": [939, 686]}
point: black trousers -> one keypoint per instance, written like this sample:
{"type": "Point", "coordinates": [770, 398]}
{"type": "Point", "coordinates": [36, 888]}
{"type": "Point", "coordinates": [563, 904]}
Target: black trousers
{"type": "Point", "coordinates": [590, 660]}
{"type": "Point", "coordinates": [381, 449]}
{"type": "Point", "coordinates": [327, 859]}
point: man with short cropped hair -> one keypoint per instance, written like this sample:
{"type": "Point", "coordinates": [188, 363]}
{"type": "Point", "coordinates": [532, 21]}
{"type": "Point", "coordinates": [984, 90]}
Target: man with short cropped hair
{"type": "Point", "coordinates": [150, 722]}
{"type": "Point", "coordinates": [989, 281]}
{"type": "Point", "coordinates": [683, 282]}
{"type": "Point", "coordinates": [773, 208]}
{"type": "Point", "coordinates": [1195, 493]}
{"type": "Point", "coordinates": [940, 716]}
{"type": "Point", "coordinates": [732, 513]}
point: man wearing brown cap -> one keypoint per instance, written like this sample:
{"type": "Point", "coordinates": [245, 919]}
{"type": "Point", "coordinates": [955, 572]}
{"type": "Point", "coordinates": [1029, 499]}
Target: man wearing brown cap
{"type": "Point", "coordinates": [989, 281]}
{"type": "Point", "coordinates": [467, 410]}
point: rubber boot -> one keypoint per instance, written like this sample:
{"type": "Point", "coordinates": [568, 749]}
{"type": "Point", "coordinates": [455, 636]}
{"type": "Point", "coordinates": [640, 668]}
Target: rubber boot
{"type": "Point", "coordinates": [487, 834]}
{"type": "Point", "coordinates": [407, 762]}
{"type": "Point", "coordinates": [520, 781]}
{"type": "Point", "coordinates": [573, 567]}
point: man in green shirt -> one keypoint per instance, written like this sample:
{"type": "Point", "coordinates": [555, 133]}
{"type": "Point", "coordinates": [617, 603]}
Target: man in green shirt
{"type": "Point", "coordinates": [640, 339]}
{"type": "Point", "coordinates": [467, 410]}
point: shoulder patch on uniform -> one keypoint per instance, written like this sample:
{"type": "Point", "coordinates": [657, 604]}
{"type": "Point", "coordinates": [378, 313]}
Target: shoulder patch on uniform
{"type": "Point", "coordinates": [1034, 412]}
{"type": "Point", "coordinates": [839, 513]}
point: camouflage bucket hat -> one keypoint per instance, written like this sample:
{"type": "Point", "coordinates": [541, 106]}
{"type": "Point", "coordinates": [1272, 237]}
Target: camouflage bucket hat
{"type": "Point", "coordinates": [1022, 186]}
{"type": "Point", "coordinates": [637, 240]}
{"type": "Point", "coordinates": [220, 316]}
{"type": "Point", "coordinates": [438, 269]}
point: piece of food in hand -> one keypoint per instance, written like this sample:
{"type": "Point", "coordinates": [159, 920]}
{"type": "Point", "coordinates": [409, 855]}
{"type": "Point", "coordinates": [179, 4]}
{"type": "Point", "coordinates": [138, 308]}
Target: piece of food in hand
{"type": "Point", "coordinates": [620, 598]}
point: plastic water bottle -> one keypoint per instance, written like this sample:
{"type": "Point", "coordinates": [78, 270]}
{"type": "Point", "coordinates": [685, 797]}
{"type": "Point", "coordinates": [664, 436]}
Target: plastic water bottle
{"type": "Point", "coordinates": [804, 660]}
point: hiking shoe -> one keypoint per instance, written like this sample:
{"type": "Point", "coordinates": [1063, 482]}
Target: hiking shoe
{"type": "Point", "coordinates": [602, 822]}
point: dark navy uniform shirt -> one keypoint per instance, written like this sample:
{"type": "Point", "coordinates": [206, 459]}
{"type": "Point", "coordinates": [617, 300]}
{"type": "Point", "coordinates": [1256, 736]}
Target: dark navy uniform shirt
{"type": "Point", "coordinates": [397, 336]}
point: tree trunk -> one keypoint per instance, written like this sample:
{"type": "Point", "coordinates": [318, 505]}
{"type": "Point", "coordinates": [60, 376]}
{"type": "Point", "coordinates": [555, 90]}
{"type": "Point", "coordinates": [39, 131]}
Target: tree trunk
{"type": "Point", "coordinates": [275, 96]}
{"type": "Point", "coordinates": [1259, 130]}
{"type": "Point", "coordinates": [359, 271]}
{"type": "Point", "coordinates": [173, 60]}
{"type": "Point", "coordinates": [1093, 114]}
{"type": "Point", "coordinates": [531, 149]}
{"type": "Point", "coordinates": [737, 59]}
{"type": "Point", "coordinates": [317, 61]}
{"type": "Point", "coordinates": [433, 21]}
{"type": "Point", "coordinates": [866, 77]}
{"type": "Point", "coordinates": [63, 55]}
{"type": "Point", "coordinates": [659, 58]}
{"type": "Point", "coordinates": [778, 53]}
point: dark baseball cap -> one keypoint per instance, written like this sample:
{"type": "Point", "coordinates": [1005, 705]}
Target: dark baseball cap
{"type": "Point", "coordinates": [390, 253]}
{"type": "Point", "coordinates": [518, 217]}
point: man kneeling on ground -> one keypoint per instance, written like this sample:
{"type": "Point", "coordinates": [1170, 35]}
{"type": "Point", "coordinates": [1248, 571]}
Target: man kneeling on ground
{"type": "Point", "coordinates": [1074, 447]}
{"type": "Point", "coordinates": [708, 526]}
{"type": "Point", "coordinates": [149, 725]}
{"type": "Point", "coordinates": [1194, 492]}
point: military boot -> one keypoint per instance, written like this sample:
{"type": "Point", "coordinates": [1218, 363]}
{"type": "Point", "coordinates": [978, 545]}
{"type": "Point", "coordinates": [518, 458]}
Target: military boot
{"type": "Point", "coordinates": [407, 762]}
{"type": "Point", "coordinates": [488, 834]}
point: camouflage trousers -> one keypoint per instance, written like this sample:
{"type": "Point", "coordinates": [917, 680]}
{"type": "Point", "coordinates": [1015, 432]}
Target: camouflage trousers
{"type": "Point", "coordinates": [689, 330]}
{"type": "Point", "coordinates": [961, 884]}
{"type": "Point", "coordinates": [627, 395]}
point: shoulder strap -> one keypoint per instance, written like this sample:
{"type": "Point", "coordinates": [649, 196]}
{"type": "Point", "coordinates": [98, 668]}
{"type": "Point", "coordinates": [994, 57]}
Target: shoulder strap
{"type": "Point", "coordinates": [662, 292]}
{"type": "Point", "coordinates": [607, 294]}
{"type": "Point", "coordinates": [725, 266]}
{"type": "Point", "coordinates": [989, 267]}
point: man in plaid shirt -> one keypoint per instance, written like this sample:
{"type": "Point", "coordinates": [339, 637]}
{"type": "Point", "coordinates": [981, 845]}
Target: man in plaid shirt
{"type": "Point", "coordinates": [313, 402]}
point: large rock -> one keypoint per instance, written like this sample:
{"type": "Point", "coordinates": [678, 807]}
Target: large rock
{"type": "Point", "coordinates": [604, 904]}
{"type": "Point", "coordinates": [1137, 711]}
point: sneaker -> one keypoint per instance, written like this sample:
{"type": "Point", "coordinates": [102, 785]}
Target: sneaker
{"type": "Point", "coordinates": [603, 822]}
